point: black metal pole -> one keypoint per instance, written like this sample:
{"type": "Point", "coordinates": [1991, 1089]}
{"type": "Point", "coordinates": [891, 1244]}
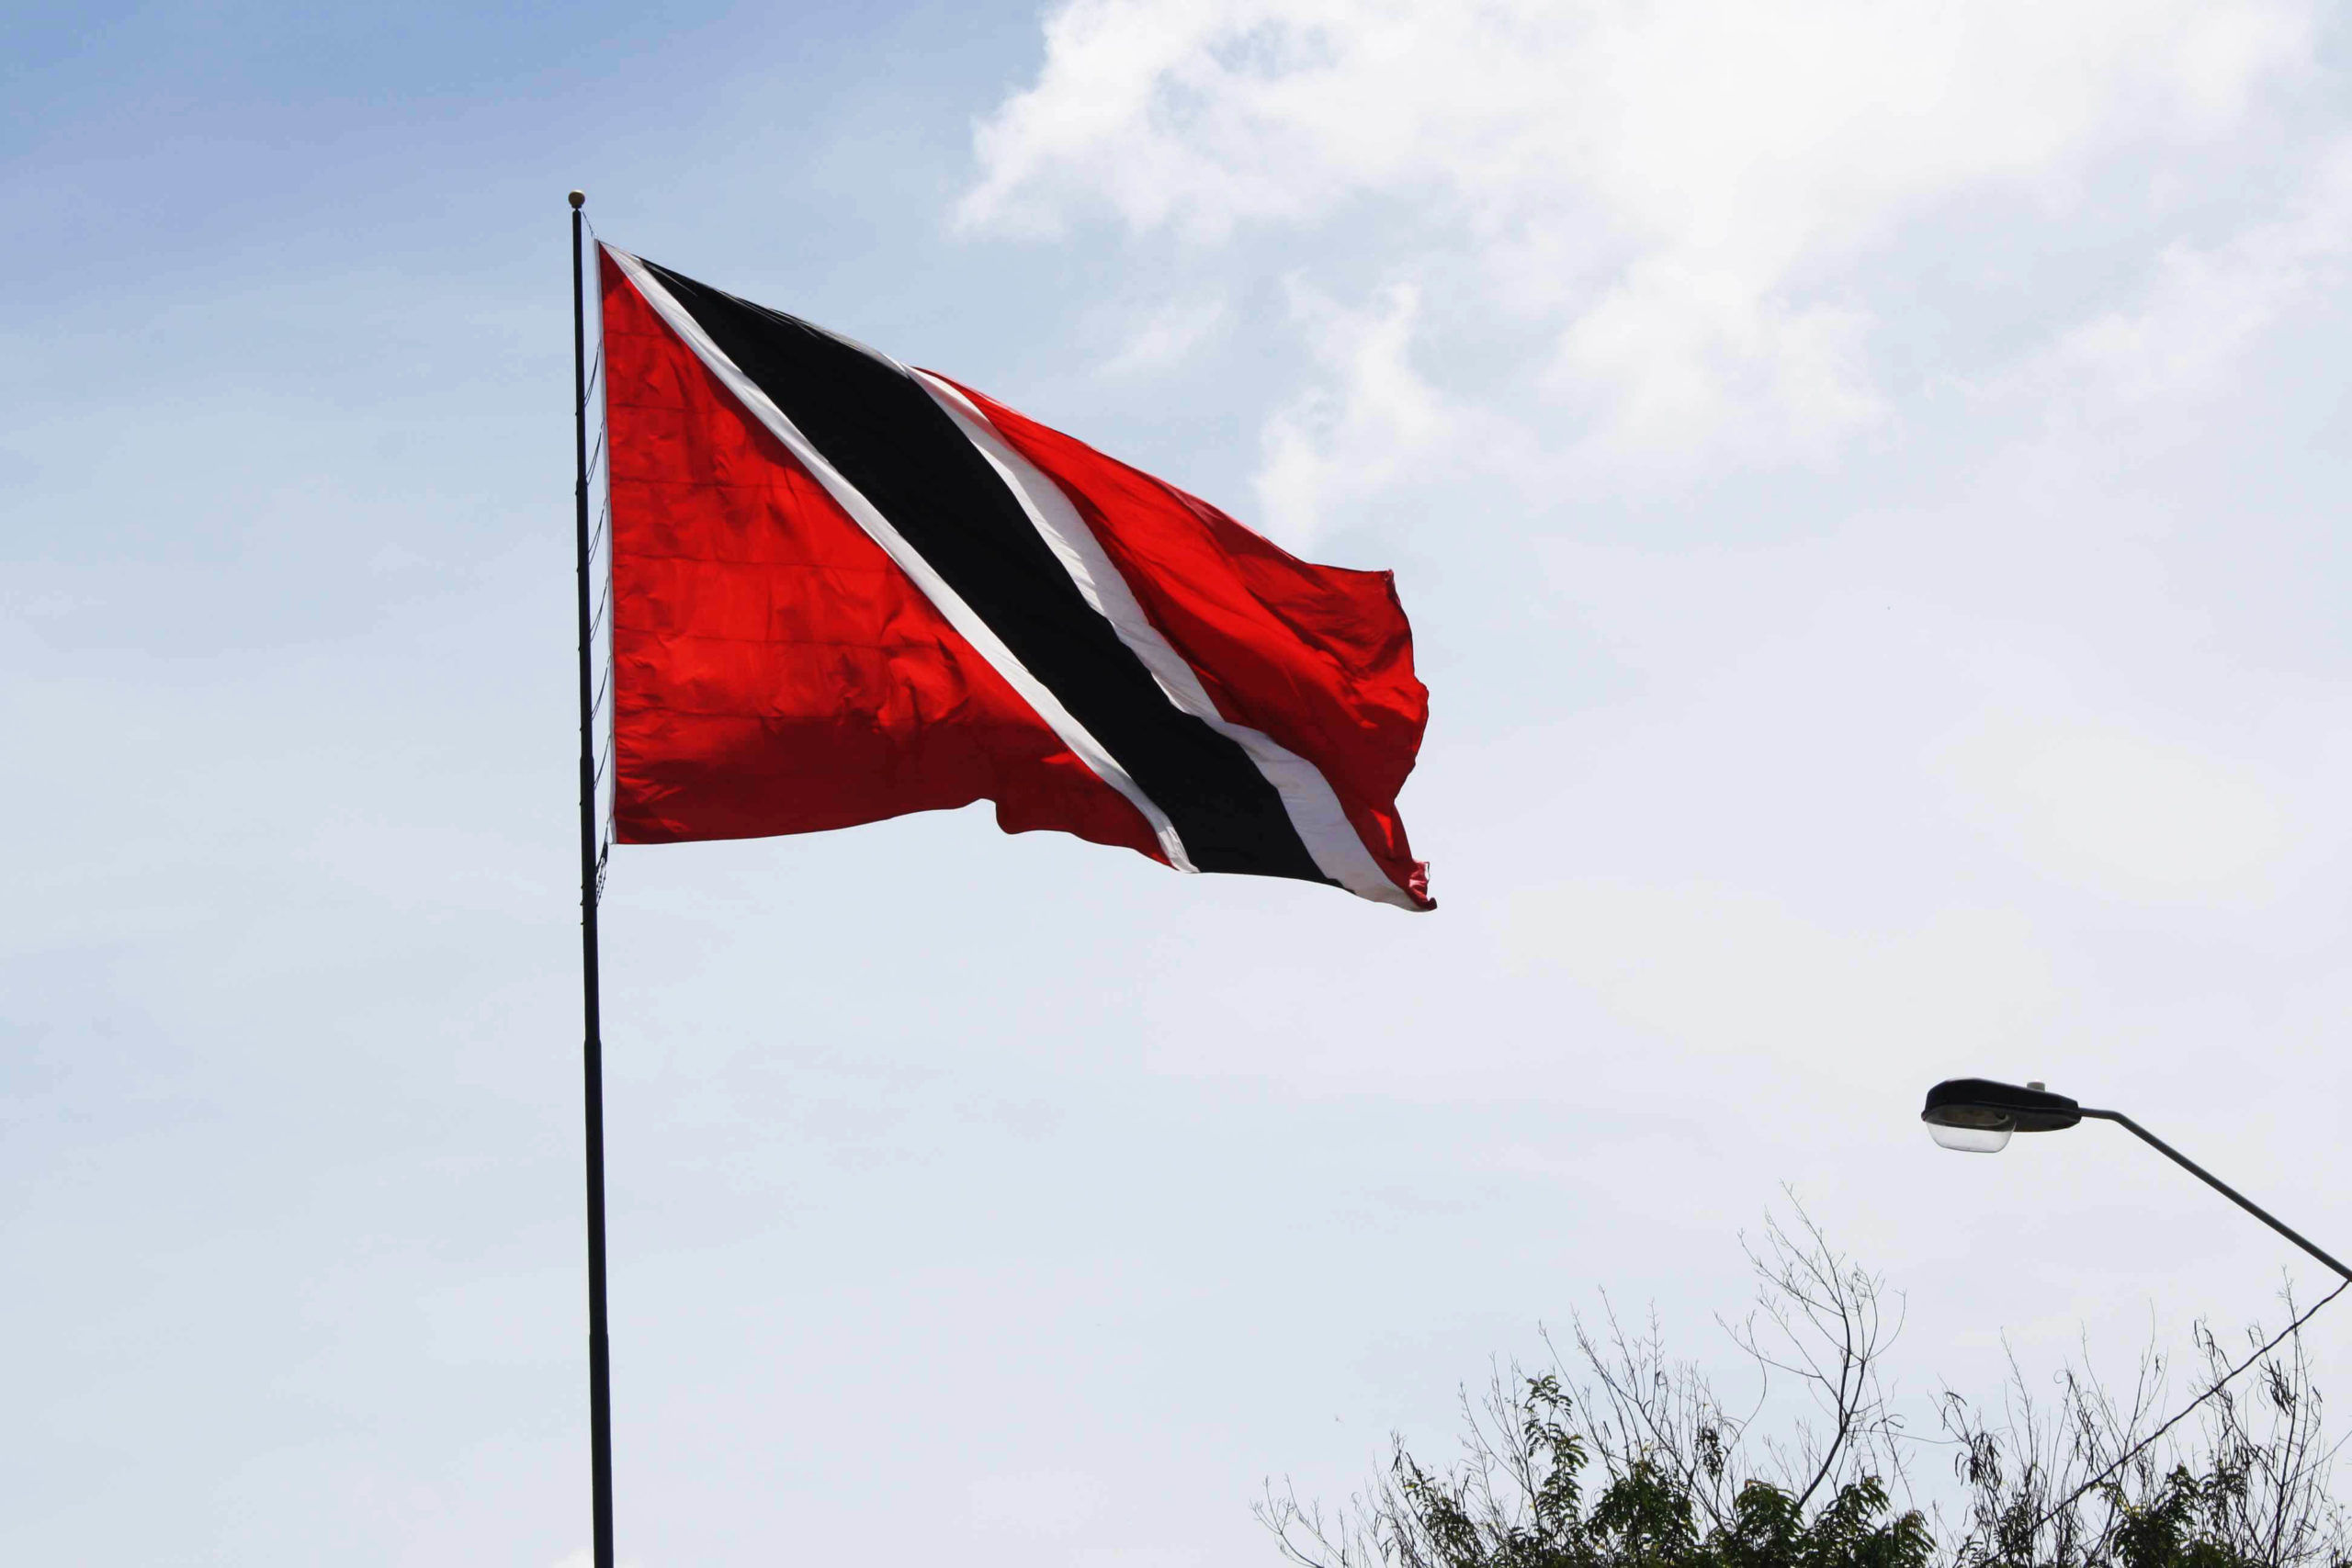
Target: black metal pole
{"type": "Point", "coordinates": [2215, 1182]}
{"type": "Point", "coordinates": [592, 1049]}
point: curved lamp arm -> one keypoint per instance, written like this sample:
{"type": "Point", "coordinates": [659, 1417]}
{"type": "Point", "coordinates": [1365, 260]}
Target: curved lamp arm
{"type": "Point", "coordinates": [2215, 1182]}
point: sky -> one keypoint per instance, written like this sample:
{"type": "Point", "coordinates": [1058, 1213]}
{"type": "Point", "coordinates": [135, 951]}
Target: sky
{"type": "Point", "coordinates": [1867, 482]}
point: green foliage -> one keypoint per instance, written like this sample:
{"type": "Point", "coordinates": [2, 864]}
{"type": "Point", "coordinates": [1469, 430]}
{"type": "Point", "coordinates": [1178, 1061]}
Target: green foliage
{"type": "Point", "coordinates": [1644, 1517]}
{"type": "Point", "coordinates": [2177, 1528]}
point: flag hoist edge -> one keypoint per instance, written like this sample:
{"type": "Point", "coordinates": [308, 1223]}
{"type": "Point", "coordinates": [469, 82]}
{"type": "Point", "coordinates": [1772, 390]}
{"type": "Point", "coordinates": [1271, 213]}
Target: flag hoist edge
{"type": "Point", "coordinates": [844, 590]}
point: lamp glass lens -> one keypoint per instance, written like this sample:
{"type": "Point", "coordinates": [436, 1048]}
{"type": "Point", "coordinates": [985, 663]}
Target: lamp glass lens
{"type": "Point", "coordinates": [1971, 1140]}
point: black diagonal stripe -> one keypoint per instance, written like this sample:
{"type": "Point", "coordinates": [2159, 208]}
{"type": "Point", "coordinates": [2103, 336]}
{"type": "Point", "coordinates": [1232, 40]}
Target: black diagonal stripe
{"type": "Point", "coordinates": [876, 424]}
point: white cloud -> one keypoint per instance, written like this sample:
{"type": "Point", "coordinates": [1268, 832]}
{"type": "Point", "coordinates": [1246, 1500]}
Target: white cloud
{"type": "Point", "coordinates": [2201, 310]}
{"type": "Point", "coordinates": [1166, 337]}
{"type": "Point", "coordinates": [1679, 355]}
{"type": "Point", "coordinates": [1671, 195]}
{"type": "Point", "coordinates": [1333, 446]}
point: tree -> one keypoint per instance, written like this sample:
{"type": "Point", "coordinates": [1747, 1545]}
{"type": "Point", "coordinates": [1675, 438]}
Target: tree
{"type": "Point", "coordinates": [1619, 1457]}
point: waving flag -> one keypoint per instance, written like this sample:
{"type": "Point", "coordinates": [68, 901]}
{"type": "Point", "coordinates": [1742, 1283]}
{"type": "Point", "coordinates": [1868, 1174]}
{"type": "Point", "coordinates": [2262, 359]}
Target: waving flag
{"type": "Point", "coordinates": [844, 590]}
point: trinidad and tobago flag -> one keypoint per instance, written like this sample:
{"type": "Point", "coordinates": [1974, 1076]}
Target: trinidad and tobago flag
{"type": "Point", "coordinates": [846, 590]}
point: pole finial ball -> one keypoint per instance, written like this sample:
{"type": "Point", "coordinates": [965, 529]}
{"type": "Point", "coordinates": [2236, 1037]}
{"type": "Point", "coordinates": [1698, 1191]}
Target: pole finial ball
{"type": "Point", "coordinates": [579, 200]}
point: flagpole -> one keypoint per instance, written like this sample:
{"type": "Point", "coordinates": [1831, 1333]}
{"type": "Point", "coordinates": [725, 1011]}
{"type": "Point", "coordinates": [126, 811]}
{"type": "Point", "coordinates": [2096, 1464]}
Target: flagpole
{"type": "Point", "coordinates": [591, 1050]}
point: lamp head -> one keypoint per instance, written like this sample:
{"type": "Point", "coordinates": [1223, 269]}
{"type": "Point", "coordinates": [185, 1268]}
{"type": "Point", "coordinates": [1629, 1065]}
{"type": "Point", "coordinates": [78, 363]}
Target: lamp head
{"type": "Point", "coordinates": [1977, 1115]}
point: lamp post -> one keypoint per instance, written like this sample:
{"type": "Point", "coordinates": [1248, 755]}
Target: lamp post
{"type": "Point", "coordinates": [1978, 1116]}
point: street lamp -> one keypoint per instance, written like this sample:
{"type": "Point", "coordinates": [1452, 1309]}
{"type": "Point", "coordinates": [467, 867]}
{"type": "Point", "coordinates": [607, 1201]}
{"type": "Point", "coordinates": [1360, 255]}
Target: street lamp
{"type": "Point", "coordinates": [1977, 1115]}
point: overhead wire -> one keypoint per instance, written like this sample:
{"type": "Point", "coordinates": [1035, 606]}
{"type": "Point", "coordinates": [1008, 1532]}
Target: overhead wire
{"type": "Point", "coordinates": [2136, 1449]}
